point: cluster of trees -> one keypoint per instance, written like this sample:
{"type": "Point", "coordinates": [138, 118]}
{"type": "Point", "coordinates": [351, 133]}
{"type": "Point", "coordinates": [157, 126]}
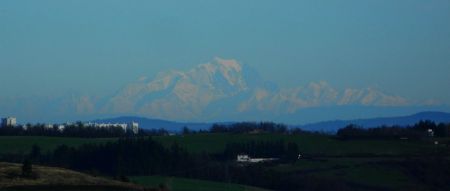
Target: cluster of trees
{"type": "Point", "coordinates": [140, 156]}
{"type": "Point", "coordinates": [249, 127]}
{"type": "Point", "coordinates": [80, 130]}
{"type": "Point", "coordinates": [74, 130]}
{"type": "Point", "coordinates": [416, 131]}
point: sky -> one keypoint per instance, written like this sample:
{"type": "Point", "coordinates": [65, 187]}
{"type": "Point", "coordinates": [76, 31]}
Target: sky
{"type": "Point", "coordinates": [95, 47]}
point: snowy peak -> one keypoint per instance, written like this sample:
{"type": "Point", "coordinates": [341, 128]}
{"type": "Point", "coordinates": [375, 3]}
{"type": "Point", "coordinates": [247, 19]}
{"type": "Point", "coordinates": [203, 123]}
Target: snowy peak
{"type": "Point", "coordinates": [213, 72]}
{"type": "Point", "coordinates": [226, 86]}
{"type": "Point", "coordinates": [370, 96]}
{"type": "Point", "coordinates": [175, 92]}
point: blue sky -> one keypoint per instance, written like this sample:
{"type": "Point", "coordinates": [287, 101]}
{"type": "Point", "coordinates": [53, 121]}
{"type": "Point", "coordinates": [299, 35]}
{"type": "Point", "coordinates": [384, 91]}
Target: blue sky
{"type": "Point", "coordinates": [95, 47]}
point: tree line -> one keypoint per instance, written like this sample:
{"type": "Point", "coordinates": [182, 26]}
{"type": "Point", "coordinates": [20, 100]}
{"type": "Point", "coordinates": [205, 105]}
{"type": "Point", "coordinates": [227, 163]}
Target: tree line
{"type": "Point", "coordinates": [420, 130]}
{"type": "Point", "coordinates": [77, 129]}
{"type": "Point", "coordinates": [249, 127]}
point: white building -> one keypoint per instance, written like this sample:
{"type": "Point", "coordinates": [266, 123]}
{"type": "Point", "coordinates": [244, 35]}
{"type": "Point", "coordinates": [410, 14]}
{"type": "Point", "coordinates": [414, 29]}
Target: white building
{"type": "Point", "coordinates": [243, 158]}
{"type": "Point", "coordinates": [9, 122]}
{"type": "Point", "coordinates": [246, 159]}
{"type": "Point", "coordinates": [430, 133]}
{"type": "Point", "coordinates": [61, 128]}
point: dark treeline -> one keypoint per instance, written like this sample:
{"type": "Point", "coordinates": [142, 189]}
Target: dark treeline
{"type": "Point", "coordinates": [75, 130]}
{"type": "Point", "coordinates": [417, 131]}
{"type": "Point", "coordinates": [80, 130]}
{"type": "Point", "coordinates": [130, 156]}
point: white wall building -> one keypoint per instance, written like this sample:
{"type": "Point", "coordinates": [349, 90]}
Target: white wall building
{"type": "Point", "coordinates": [246, 159]}
{"type": "Point", "coordinates": [243, 158]}
{"type": "Point", "coordinates": [9, 122]}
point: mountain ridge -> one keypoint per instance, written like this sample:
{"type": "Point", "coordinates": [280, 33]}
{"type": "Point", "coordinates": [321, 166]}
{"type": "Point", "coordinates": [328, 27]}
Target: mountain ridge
{"type": "Point", "coordinates": [334, 125]}
{"type": "Point", "coordinates": [327, 126]}
{"type": "Point", "coordinates": [219, 90]}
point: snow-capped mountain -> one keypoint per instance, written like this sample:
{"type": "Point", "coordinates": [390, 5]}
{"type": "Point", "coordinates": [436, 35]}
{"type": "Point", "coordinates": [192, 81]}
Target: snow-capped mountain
{"type": "Point", "coordinates": [227, 88]}
{"type": "Point", "coordinates": [218, 91]}
{"type": "Point", "coordinates": [181, 95]}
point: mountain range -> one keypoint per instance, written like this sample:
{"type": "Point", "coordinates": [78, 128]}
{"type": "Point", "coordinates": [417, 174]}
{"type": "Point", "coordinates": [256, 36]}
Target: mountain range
{"type": "Point", "coordinates": [224, 90]}
{"type": "Point", "coordinates": [221, 90]}
{"type": "Point", "coordinates": [333, 126]}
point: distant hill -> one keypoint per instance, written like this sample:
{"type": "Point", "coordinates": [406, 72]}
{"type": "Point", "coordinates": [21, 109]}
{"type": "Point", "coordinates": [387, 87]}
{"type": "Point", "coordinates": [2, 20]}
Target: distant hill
{"type": "Point", "coordinates": [332, 126]}
{"type": "Point", "coordinates": [327, 126]}
{"type": "Point", "coordinates": [146, 123]}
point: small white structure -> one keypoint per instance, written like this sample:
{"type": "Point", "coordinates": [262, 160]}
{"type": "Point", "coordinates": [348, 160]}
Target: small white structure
{"type": "Point", "coordinates": [61, 128]}
{"type": "Point", "coordinates": [133, 127]}
{"type": "Point", "coordinates": [26, 126]}
{"type": "Point", "coordinates": [48, 126]}
{"type": "Point", "coordinates": [9, 122]}
{"type": "Point", "coordinates": [246, 159]}
{"type": "Point", "coordinates": [243, 158]}
{"type": "Point", "coordinates": [430, 133]}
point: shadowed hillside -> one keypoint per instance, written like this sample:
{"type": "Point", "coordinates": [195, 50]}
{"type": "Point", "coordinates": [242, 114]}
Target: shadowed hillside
{"type": "Point", "coordinates": [50, 178]}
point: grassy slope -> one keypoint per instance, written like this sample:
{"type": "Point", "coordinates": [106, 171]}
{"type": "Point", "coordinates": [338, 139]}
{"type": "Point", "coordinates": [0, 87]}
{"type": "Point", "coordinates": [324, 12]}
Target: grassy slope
{"type": "Point", "coordinates": [183, 184]}
{"type": "Point", "coordinates": [49, 176]}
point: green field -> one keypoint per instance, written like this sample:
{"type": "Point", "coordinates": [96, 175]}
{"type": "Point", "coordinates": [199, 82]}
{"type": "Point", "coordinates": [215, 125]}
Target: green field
{"type": "Point", "coordinates": [22, 145]}
{"type": "Point", "coordinates": [215, 143]}
{"type": "Point", "coordinates": [363, 171]}
{"type": "Point", "coordinates": [308, 143]}
{"type": "Point", "coordinates": [183, 184]}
